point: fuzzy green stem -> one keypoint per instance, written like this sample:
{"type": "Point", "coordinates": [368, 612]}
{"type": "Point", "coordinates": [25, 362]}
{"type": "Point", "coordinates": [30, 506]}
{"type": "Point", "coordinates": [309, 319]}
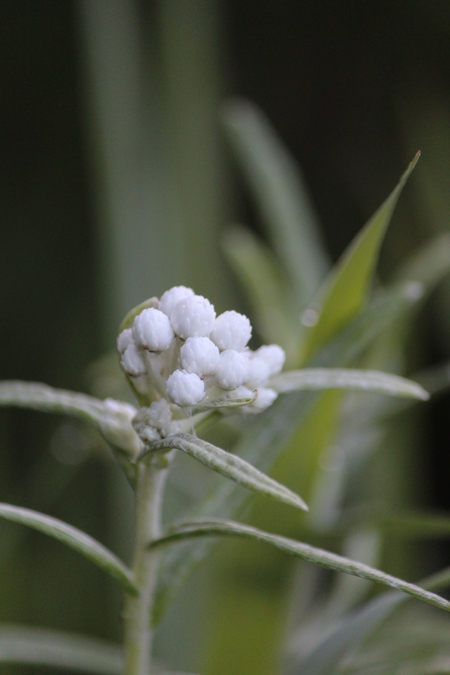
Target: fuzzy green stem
{"type": "Point", "coordinates": [138, 631]}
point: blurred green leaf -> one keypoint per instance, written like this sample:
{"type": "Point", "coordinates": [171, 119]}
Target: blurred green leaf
{"type": "Point", "coordinates": [54, 649]}
{"type": "Point", "coordinates": [429, 264]}
{"type": "Point", "coordinates": [280, 196]}
{"type": "Point", "coordinates": [214, 528]}
{"type": "Point", "coordinates": [345, 289]}
{"type": "Point", "coordinates": [257, 269]}
{"type": "Point", "coordinates": [79, 541]}
{"type": "Point", "coordinates": [356, 627]}
{"type": "Point", "coordinates": [342, 378]}
{"type": "Point", "coordinates": [229, 465]}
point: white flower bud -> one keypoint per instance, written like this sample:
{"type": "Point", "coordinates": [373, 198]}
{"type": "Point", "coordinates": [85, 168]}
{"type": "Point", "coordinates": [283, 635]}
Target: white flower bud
{"type": "Point", "coordinates": [200, 356]}
{"type": "Point", "coordinates": [231, 331]}
{"type": "Point", "coordinates": [185, 389]}
{"type": "Point", "coordinates": [124, 339]}
{"type": "Point", "coordinates": [132, 362]}
{"type": "Point", "coordinates": [232, 370]}
{"type": "Point", "coordinates": [258, 371]}
{"type": "Point", "coordinates": [274, 356]}
{"type": "Point", "coordinates": [152, 330]}
{"type": "Point", "coordinates": [193, 316]}
{"type": "Point", "coordinates": [170, 298]}
{"type": "Point", "coordinates": [264, 399]}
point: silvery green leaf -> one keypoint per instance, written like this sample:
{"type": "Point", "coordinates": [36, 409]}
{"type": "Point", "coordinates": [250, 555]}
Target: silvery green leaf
{"type": "Point", "coordinates": [345, 290]}
{"type": "Point", "coordinates": [74, 538]}
{"type": "Point", "coordinates": [229, 465]}
{"type": "Point", "coordinates": [342, 378]}
{"type": "Point", "coordinates": [55, 649]}
{"type": "Point", "coordinates": [306, 552]}
{"type": "Point", "coordinates": [223, 404]}
{"type": "Point", "coordinates": [42, 397]}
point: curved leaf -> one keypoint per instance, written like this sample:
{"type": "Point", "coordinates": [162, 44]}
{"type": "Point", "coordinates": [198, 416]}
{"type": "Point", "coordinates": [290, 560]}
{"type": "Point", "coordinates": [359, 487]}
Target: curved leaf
{"type": "Point", "coordinates": [55, 649]}
{"type": "Point", "coordinates": [355, 628]}
{"type": "Point", "coordinates": [280, 194]}
{"type": "Point", "coordinates": [42, 397]}
{"type": "Point", "coordinates": [256, 267]}
{"type": "Point", "coordinates": [228, 465]}
{"type": "Point", "coordinates": [306, 552]}
{"type": "Point", "coordinates": [344, 291]}
{"type": "Point", "coordinates": [79, 541]}
{"type": "Point", "coordinates": [223, 404]}
{"type": "Point", "coordinates": [342, 378]}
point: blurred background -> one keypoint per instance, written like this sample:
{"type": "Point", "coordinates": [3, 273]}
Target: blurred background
{"type": "Point", "coordinates": [117, 182]}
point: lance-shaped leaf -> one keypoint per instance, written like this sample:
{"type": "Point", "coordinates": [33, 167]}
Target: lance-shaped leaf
{"type": "Point", "coordinates": [42, 397]}
{"type": "Point", "coordinates": [306, 552]}
{"type": "Point", "coordinates": [256, 267]}
{"type": "Point", "coordinates": [223, 404]}
{"type": "Point", "coordinates": [344, 291]}
{"type": "Point", "coordinates": [342, 378]}
{"type": "Point", "coordinates": [228, 465]}
{"type": "Point", "coordinates": [356, 627]}
{"type": "Point", "coordinates": [55, 649]}
{"type": "Point", "coordinates": [76, 539]}
{"type": "Point", "coordinates": [280, 195]}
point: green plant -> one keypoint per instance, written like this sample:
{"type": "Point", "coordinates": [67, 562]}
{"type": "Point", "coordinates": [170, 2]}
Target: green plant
{"type": "Point", "coordinates": [325, 322]}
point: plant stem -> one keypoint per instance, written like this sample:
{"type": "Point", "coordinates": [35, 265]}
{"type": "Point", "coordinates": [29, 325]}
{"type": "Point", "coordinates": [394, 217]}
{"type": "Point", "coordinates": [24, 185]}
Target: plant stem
{"type": "Point", "coordinates": [137, 615]}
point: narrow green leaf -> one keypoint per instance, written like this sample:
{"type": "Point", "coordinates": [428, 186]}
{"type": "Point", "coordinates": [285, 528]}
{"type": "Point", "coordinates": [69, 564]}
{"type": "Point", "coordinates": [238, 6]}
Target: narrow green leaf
{"type": "Point", "coordinates": [55, 649]}
{"type": "Point", "coordinates": [229, 465]}
{"type": "Point", "coordinates": [356, 627]}
{"type": "Point", "coordinates": [42, 397]}
{"type": "Point", "coordinates": [344, 291]}
{"type": "Point", "coordinates": [280, 194]}
{"type": "Point", "coordinates": [79, 541]}
{"type": "Point", "coordinates": [341, 378]}
{"type": "Point", "coordinates": [257, 269]}
{"type": "Point", "coordinates": [306, 552]}
{"type": "Point", "coordinates": [429, 264]}
{"type": "Point", "coordinates": [223, 403]}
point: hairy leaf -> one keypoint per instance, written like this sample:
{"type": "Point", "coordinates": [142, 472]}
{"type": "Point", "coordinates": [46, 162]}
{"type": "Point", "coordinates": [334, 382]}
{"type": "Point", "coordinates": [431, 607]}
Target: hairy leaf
{"type": "Point", "coordinates": [340, 378]}
{"type": "Point", "coordinates": [229, 465]}
{"type": "Point", "coordinates": [79, 541]}
{"type": "Point", "coordinates": [304, 551]}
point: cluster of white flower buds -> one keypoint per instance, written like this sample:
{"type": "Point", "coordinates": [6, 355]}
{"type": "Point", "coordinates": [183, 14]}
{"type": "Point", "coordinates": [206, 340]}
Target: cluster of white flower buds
{"type": "Point", "coordinates": [180, 351]}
